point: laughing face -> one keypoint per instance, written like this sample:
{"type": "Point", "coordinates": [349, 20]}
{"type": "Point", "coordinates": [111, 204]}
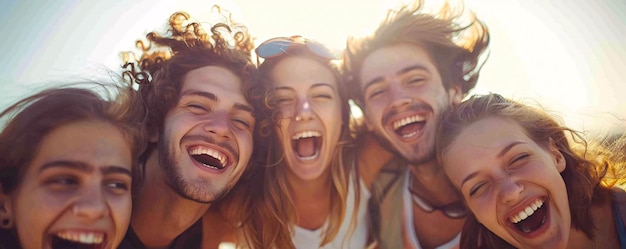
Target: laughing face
{"type": "Point", "coordinates": [310, 125]}
{"type": "Point", "coordinates": [403, 96]}
{"type": "Point", "coordinates": [207, 140]}
{"type": "Point", "coordinates": [76, 191]}
{"type": "Point", "coordinates": [511, 184]}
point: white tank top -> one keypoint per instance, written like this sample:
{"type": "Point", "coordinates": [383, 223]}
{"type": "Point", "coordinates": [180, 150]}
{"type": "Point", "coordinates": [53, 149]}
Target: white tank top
{"type": "Point", "coordinates": [311, 239]}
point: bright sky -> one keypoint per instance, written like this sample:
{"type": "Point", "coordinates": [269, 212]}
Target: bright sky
{"type": "Point", "coordinates": [568, 55]}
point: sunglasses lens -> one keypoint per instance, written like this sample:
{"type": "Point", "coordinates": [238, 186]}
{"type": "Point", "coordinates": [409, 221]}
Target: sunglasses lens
{"type": "Point", "coordinates": [455, 211]}
{"type": "Point", "coordinates": [272, 48]}
{"type": "Point", "coordinates": [320, 50]}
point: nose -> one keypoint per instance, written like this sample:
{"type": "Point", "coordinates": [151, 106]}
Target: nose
{"type": "Point", "coordinates": [399, 96]}
{"type": "Point", "coordinates": [218, 126]}
{"type": "Point", "coordinates": [303, 112]}
{"type": "Point", "coordinates": [91, 204]}
{"type": "Point", "coordinates": [509, 190]}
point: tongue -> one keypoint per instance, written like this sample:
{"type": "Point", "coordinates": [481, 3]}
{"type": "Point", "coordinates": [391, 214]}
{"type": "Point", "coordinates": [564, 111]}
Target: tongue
{"type": "Point", "coordinates": [305, 147]}
{"type": "Point", "coordinates": [409, 128]}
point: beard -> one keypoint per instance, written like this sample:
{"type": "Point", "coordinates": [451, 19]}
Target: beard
{"type": "Point", "coordinates": [194, 190]}
{"type": "Point", "coordinates": [429, 156]}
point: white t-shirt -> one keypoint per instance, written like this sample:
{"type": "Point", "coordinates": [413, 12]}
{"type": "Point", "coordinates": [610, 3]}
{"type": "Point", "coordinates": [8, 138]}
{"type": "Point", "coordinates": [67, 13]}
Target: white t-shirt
{"type": "Point", "coordinates": [409, 228]}
{"type": "Point", "coordinates": [310, 239]}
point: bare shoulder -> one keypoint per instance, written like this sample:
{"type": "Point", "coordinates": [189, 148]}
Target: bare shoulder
{"type": "Point", "coordinates": [371, 157]}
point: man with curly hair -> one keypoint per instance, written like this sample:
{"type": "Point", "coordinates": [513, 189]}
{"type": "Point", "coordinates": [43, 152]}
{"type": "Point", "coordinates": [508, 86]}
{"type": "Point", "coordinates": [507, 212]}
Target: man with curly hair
{"type": "Point", "coordinates": [412, 68]}
{"type": "Point", "coordinates": [201, 120]}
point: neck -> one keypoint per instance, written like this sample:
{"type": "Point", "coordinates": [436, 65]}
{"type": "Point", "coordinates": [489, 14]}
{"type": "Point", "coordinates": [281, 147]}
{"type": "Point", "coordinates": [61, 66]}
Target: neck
{"type": "Point", "coordinates": [431, 183]}
{"type": "Point", "coordinates": [159, 213]}
{"type": "Point", "coordinates": [309, 189]}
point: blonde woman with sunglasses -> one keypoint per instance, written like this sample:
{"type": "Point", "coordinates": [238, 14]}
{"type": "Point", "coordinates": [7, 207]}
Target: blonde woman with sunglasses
{"type": "Point", "coordinates": [306, 192]}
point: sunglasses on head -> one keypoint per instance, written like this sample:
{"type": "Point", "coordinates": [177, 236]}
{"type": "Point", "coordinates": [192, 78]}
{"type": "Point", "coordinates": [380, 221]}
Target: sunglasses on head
{"type": "Point", "coordinates": [278, 46]}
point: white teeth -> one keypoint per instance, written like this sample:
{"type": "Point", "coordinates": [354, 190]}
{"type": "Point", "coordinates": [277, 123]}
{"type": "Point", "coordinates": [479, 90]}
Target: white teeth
{"type": "Point", "coordinates": [82, 237]}
{"type": "Point", "coordinates": [210, 152]}
{"type": "Point", "coordinates": [306, 134]}
{"type": "Point", "coordinates": [402, 122]}
{"type": "Point", "coordinates": [528, 211]}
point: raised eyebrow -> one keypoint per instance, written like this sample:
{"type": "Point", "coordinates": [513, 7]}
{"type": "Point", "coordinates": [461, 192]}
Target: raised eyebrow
{"type": "Point", "coordinates": [207, 95]}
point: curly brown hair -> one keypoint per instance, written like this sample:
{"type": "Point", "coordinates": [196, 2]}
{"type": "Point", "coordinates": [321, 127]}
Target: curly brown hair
{"type": "Point", "coordinates": [164, 62]}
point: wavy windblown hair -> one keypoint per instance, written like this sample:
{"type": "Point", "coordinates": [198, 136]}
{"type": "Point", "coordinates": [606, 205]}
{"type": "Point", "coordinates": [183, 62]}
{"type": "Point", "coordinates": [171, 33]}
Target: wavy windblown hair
{"type": "Point", "coordinates": [585, 174]}
{"type": "Point", "coordinates": [32, 118]}
{"type": "Point", "coordinates": [273, 216]}
{"type": "Point", "coordinates": [164, 62]}
{"type": "Point", "coordinates": [454, 39]}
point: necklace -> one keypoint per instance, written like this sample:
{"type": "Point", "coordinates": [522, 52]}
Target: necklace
{"type": "Point", "coordinates": [454, 210]}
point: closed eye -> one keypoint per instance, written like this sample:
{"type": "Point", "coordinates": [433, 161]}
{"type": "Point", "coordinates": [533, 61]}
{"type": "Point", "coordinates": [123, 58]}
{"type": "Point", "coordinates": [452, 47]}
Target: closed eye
{"type": "Point", "coordinates": [241, 124]}
{"type": "Point", "coordinates": [376, 93]}
{"type": "Point", "coordinates": [519, 158]}
{"type": "Point", "coordinates": [323, 96]}
{"type": "Point", "coordinates": [197, 107]}
{"type": "Point", "coordinates": [476, 188]}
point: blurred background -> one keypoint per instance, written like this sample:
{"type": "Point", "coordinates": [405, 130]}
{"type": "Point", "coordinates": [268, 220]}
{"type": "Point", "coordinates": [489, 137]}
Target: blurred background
{"type": "Point", "coordinates": [568, 56]}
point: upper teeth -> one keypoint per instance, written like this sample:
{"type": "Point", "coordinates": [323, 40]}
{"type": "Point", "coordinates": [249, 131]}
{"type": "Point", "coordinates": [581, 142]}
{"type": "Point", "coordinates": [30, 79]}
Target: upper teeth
{"type": "Point", "coordinates": [211, 152]}
{"type": "Point", "coordinates": [82, 237]}
{"type": "Point", "coordinates": [402, 122]}
{"type": "Point", "coordinates": [528, 211]}
{"type": "Point", "coordinates": [306, 134]}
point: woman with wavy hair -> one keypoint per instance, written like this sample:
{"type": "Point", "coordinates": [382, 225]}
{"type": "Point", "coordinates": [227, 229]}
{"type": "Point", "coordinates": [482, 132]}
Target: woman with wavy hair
{"type": "Point", "coordinates": [528, 181]}
{"type": "Point", "coordinates": [306, 192]}
{"type": "Point", "coordinates": [68, 160]}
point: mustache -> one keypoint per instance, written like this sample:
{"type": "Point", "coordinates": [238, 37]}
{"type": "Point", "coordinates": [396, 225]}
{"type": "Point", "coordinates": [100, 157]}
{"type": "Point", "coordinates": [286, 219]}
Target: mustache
{"type": "Point", "coordinates": [416, 107]}
{"type": "Point", "coordinates": [210, 140]}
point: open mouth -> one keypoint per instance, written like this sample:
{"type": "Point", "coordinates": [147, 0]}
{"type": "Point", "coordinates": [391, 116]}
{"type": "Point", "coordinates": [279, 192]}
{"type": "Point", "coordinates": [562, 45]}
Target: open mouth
{"type": "Point", "coordinates": [531, 218]}
{"type": "Point", "coordinates": [409, 126]}
{"type": "Point", "coordinates": [306, 144]}
{"type": "Point", "coordinates": [77, 240]}
{"type": "Point", "coordinates": [208, 157]}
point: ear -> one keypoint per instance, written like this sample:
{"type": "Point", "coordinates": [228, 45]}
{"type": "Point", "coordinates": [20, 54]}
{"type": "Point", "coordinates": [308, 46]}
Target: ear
{"type": "Point", "coordinates": [6, 211]}
{"type": "Point", "coordinates": [455, 94]}
{"type": "Point", "coordinates": [559, 159]}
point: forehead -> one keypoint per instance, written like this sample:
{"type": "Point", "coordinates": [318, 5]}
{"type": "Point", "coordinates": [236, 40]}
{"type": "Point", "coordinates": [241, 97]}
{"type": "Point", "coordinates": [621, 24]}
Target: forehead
{"type": "Point", "coordinates": [301, 71]}
{"type": "Point", "coordinates": [390, 60]}
{"type": "Point", "coordinates": [95, 142]}
{"type": "Point", "coordinates": [214, 79]}
{"type": "Point", "coordinates": [486, 136]}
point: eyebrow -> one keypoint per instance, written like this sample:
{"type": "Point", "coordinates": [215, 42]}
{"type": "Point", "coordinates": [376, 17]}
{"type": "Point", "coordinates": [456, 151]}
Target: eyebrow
{"type": "Point", "coordinates": [207, 95]}
{"type": "Point", "coordinates": [400, 72]}
{"type": "Point", "coordinates": [312, 86]}
{"type": "Point", "coordinates": [213, 97]}
{"type": "Point", "coordinates": [80, 166]}
{"type": "Point", "coordinates": [500, 154]}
